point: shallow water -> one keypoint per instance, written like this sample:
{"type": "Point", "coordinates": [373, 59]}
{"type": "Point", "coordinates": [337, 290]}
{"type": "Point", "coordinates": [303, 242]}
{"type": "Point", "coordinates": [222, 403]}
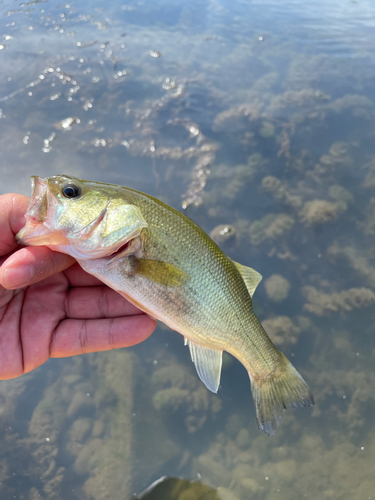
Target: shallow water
{"type": "Point", "coordinates": [253, 114]}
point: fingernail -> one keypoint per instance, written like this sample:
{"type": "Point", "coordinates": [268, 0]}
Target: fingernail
{"type": "Point", "coordinates": [17, 277]}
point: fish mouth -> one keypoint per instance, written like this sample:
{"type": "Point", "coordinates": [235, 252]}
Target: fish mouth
{"type": "Point", "coordinates": [38, 235]}
{"type": "Point", "coordinates": [35, 232]}
{"type": "Point", "coordinates": [36, 212]}
{"type": "Point", "coordinates": [35, 215]}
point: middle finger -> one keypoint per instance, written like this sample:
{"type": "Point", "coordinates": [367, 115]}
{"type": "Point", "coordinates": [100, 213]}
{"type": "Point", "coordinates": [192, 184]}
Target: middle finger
{"type": "Point", "coordinates": [97, 302]}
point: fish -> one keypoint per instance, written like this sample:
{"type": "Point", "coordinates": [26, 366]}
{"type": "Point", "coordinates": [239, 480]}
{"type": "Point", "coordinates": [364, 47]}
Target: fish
{"type": "Point", "coordinates": [173, 488]}
{"type": "Point", "coordinates": [166, 265]}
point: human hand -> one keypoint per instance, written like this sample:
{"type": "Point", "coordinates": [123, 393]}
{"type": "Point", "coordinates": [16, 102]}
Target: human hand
{"type": "Point", "coordinates": [50, 307]}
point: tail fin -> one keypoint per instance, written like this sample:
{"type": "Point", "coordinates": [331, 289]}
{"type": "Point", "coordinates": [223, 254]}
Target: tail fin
{"type": "Point", "coordinates": [284, 389]}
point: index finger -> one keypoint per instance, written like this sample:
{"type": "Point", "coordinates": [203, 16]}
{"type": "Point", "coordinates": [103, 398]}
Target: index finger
{"type": "Point", "coordinates": [12, 211]}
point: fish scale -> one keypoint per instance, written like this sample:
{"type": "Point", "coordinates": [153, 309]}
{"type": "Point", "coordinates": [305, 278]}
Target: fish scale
{"type": "Point", "coordinates": [171, 269]}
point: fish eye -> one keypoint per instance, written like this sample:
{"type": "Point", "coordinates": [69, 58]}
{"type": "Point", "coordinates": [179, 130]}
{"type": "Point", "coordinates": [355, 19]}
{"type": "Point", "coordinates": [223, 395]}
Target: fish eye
{"type": "Point", "coordinates": [71, 190]}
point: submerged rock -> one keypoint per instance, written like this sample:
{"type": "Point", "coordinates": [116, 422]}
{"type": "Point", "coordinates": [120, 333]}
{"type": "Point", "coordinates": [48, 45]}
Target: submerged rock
{"type": "Point", "coordinates": [318, 212]}
{"type": "Point", "coordinates": [270, 227]}
{"type": "Point", "coordinates": [271, 184]}
{"type": "Point", "coordinates": [323, 303]}
{"type": "Point", "coordinates": [267, 130]}
{"type": "Point", "coordinates": [175, 388]}
{"type": "Point", "coordinates": [281, 330]}
{"type": "Point", "coordinates": [338, 156]}
{"type": "Point", "coordinates": [241, 175]}
{"type": "Point", "coordinates": [368, 225]}
{"type": "Point", "coordinates": [226, 494]}
{"type": "Point", "coordinates": [170, 399]}
{"type": "Point", "coordinates": [235, 119]}
{"type": "Point", "coordinates": [223, 233]}
{"type": "Point", "coordinates": [277, 287]}
{"type": "Point", "coordinates": [355, 259]}
{"type": "Point", "coordinates": [296, 99]}
{"type": "Point", "coordinates": [359, 105]}
{"type": "Point", "coordinates": [340, 194]}
{"type": "Point", "coordinates": [281, 191]}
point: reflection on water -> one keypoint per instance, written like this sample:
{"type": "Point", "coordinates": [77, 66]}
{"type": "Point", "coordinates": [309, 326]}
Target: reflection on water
{"type": "Point", "coordinates": [259, 118]}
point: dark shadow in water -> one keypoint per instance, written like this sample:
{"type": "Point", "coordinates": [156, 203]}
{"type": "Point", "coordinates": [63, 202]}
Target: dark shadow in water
{"type": "Point", "coordinates": [170, 488]}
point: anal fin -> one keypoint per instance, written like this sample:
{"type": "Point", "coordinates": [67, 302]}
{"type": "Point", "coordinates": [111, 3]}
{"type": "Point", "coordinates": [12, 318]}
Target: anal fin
{"type": "Point", "coordinates": [207, 363]}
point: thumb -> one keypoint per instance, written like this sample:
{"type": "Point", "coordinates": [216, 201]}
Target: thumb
{"type": "Point", "coordinates": [32, 264]}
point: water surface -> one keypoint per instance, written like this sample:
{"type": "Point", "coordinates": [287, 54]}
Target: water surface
{"type": "Point", "coordinates": [257, 115]}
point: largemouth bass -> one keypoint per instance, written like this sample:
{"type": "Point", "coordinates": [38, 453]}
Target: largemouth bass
{"type": "Point", "coordinates": [166, 265]}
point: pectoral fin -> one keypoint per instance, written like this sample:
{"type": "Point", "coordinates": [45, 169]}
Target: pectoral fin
{"type": "Point", "coordinates": [161, 273]}
{"type": "Point", "coordinates": [208, 364]}
{"type": "Point", "coordinates": [251, 277]}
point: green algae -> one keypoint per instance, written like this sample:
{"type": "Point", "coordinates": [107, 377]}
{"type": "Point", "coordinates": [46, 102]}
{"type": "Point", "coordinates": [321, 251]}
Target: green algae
{"type": "Point", "coordinates": [270, 227]}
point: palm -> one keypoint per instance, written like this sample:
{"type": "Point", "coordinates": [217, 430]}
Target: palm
{"type": "Point", "coordinates": [66, 314]}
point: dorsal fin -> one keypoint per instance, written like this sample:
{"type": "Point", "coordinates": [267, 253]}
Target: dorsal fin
{"type": "Point", "coordinates": [251, 277]}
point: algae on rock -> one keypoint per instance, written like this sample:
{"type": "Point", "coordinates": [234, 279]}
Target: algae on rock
{"type": "Point", "coordinates": [270, 227]}
{"type": "Point", "coordinates": [282, 330]}
{"type": "Point", "coordinates": [318, 212]}
{"type": "Point", "coordinates": [176, 388]}
{"type": "Point", "coordinates": [323, 303]}
{"type": "Point", "coordinates": [277, 287]}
